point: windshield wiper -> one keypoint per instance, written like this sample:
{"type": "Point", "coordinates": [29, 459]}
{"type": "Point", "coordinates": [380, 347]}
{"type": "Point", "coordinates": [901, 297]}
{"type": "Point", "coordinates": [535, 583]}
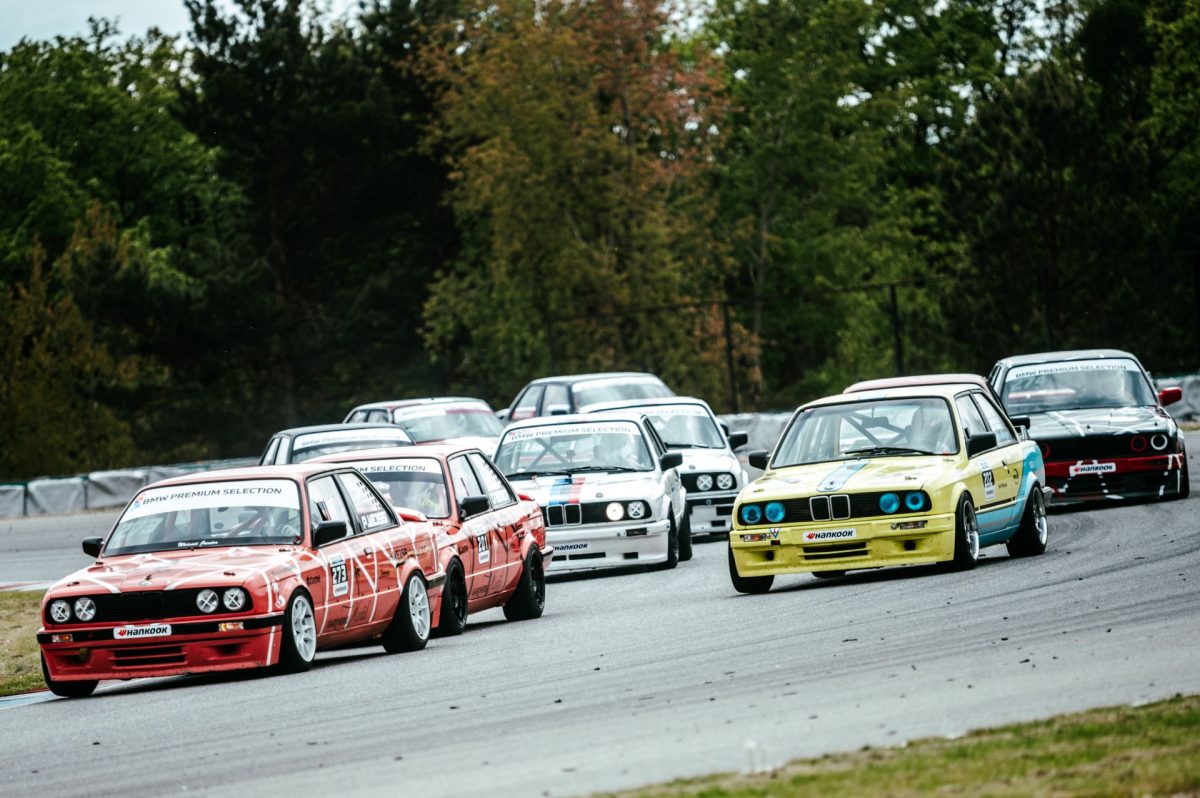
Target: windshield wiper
{"type": "Point", "coordinates": [596, 468]}
{"type": "Point", "coordinates": [527, 474]}
{"type": "Point", "coordinates": [888, 450]}
{"type": "Point", "coordinates": [674, 445]}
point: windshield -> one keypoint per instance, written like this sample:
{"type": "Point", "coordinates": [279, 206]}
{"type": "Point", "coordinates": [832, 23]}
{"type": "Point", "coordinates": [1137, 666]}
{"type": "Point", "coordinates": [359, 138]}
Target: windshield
{"type": "Point", "coordinates": [206, 514]}
{"type": "Point", "coordinates": [685, 426]}
{"type": "Point", "coordinates": [594, 391]}
{"type": "Point", "coordinates": [317, 444]}
{"type": "Point", "coordinates": [1076, 385]}
{"type": "Point", "coordinates": [568, 448]}
{"type": "Point", "coordinates": [878, 428]}
{"type": "Point", "coordinates": [416, 483]}
{"type": "Point", "coordinates": [441, 422]}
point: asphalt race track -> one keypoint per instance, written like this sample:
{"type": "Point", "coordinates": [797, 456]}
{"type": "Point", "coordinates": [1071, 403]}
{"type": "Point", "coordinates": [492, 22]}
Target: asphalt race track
{"type": "Point", "coordinates": [642, 677]}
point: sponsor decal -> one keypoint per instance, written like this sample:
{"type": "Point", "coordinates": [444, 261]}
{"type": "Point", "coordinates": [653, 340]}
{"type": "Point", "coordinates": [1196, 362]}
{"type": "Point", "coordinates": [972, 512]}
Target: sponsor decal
{"type": "Point", "coordinates": [137, 632]}
{"type": "Point", "coordinates": [1092, 468]}
{"type": "Point", "coordinates": [830, 534]}
{"type": "Point", "coordinates": [481, 546]}
{"type": "Point", "coordinates": [420, 465]}
{"type": "Point", "coordinates": [371, 520]}
{"type": "Point", "coordinates": [312, 580]}
{"type": "Point", "coordinates": [435, 411]}
{"type": "Point", "coordinates": [572, 430]}
{"type": "Point", "coordinates": [246, 493]}
{"type": "Point", "coordinates": [338, 576]}
{"type": "Point", "coordinates": [774, 531]}
{"type": "Point", "coordinates": [350, 436]}
{"type": "Point", "coordinates": [840, 476]}
{"type": "Point", "coordinates": [989, 480]}
{"type": "Point", "coordinates": [1100, 364]}
{"type": "Point", "coordinates": [571, 546]}
{"type": "Point", "coordinates": [663, 411]}
{"type": "Point", "coordinates": [567, 490]}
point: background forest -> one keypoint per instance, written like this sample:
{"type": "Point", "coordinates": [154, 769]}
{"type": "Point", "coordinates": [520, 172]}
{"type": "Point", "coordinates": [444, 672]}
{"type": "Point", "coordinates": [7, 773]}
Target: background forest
{"type": "Point", "coordinates": [207, 238]}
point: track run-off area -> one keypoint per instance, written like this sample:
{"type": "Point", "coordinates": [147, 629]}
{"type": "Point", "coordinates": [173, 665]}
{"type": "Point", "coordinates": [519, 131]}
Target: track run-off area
{"type": "Point", "coordinates": [640, 677]}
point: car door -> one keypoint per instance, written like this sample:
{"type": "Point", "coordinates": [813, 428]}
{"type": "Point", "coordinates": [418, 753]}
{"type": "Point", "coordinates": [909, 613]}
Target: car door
{"type": "Point", "coordinates": [477, 532]}
{"type": "Point", "coordinates": [527, 405]}
{"type": "Point", "coordinates": [1010, 452]}
{"type": "Point", "coordinates": [556, 400]}
{"type": "Point", "coordinates": [502, 525]}
{"type": "Point", "coordinates": [375, 586]}
{"type": "Point", "coordinates": [992, 507]}
{"type": "Point", "coordinates": [334, 598]}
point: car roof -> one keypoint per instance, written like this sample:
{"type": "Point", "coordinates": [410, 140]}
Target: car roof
{"type": "Point", "coordinates": [394, 404]}
{"type": "Point", "coordinates": [631, 404]}
{"type": "Point", "coordinates": [573, 418]}
{"type": "Point", "coordinates": [1074, 354]}
{"type": "Point", "coordinates": [940, 391]}
{"type": "Point", "coordinates": [917, 379]}
{"type": "Point", "coordinates": [337, 428]}
{"type": "Point", "coordinates": [298, 471]}
{"type": "Point", "coordinates": [436, 451]}
{"type": "Point", "coordinates": [600, 375]}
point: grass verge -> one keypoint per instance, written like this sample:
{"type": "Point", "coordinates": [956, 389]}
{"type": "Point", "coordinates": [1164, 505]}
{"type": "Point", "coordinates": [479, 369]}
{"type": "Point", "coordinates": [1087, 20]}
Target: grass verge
{"type": "Point", "coordinates": [1134, 751]}
{"type": "Point", "coordinates": [20, 667]}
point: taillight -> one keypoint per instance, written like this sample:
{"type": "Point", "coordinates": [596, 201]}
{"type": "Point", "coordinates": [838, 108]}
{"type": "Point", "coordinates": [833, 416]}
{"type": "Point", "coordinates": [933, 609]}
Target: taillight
{"type": "Point", "coordinates": [1045, 451]}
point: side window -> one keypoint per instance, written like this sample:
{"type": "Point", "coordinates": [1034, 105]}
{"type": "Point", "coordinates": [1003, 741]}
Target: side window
{"type": "Point", "coordinates": [971, 420]}
{"type": "Point", "coordinates": [528, 403]}
{"type": "Point", "coordinates": [465, 483]}
{"type": "Point", "coordinates": [556, 398]}
{"type": "Point", "coordinates": [656, 440]}
{"type": "Point", "coordinates": [372, 515]}
{"type": "Point", "coordinates": [357, 417]}
{"type": "Point", "coordinates": [493, 484]}
{"type": "Point", "coordinates": [994, 420]}
{"type": "Point", "coordinates": [377, 415]}
{"type": "Point", "coordinates": [268, 457]}
{"type": "Point", "coordinates": [325, 503]}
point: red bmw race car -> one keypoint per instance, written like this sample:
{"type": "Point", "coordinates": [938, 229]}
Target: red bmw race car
{"type": "Point", "coordinates": [245, 568]}
{"type": "Point", "coordinates": [492, 540]}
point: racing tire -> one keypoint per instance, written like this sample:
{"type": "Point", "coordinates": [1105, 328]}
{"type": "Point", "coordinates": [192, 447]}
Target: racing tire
{"type": "Point", "coordinates": [298, 642]}
{"type": "Point", "coordinates": [68, 689]}
{"type": "Point", "coordinates": [966, 536]}
{"type": "Point", "coordinates": [1030, 538]}
{"type": "Point", "coordinates": [410, 626]}
{"type": "Point", "coordinates": [747, 584]}
{"type": "Point", "coordinates": [1185, 482]}
{"type": "Point", "coordinates": [528, 601]}
{"type": "Point", "coordinates": [672, 548]}
{"type": "Point", "coordinates": [828, 574]}
{"type": "Point", "coordinates": [452, 620]}
{"type": "Point", "coordinates": [685, 538]}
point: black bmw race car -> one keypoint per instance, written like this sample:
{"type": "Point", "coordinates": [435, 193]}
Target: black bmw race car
{"type": "Point", "coordinates": [1102, 428]}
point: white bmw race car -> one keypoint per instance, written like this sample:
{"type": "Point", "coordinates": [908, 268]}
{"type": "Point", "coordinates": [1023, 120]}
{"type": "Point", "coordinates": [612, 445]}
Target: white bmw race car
{"type": "Point", "coordinates": [608, 487]}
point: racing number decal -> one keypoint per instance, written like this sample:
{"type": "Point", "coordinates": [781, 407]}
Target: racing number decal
{"type": "Point", "coordinates": [485, 554]}
{"type": "Point", "coordinates": [337, 575]}
{"type": "Point", "coordinates": [989, 481]}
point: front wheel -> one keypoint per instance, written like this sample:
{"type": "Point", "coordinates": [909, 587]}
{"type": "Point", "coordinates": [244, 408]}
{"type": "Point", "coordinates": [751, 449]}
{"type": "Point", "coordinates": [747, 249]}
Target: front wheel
{"type": "Point", "coordinates": [747, 584]}
{"type": "Point", "coordinates": [68, 689]}
{"type": "Point", "coordinates": [409, 629]}
{"type": "Point", "coordinates": [528, 601]}
{"type": "Point", "coordinates": [685, 538]}
{"type": "Point", "coordinates": [1030, 539]}
{"type": "Point", "coordinates": [966, 535]}
{"type": "Point", "coordinates": [298, 648]}
{"type": "Point", "coordinates": [672, 549]}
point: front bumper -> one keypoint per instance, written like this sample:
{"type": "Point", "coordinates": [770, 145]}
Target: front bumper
{"type": "Point", "coordinates": [711, 513]}
{"type": "Point", "coordinates": [591, 546]}
{"type": "Point", "coordinates": [874, 544]}
{"type": "Point", "coordinates": [94, 653]}
{"type": "Point", "coordinates": [1115, 478]}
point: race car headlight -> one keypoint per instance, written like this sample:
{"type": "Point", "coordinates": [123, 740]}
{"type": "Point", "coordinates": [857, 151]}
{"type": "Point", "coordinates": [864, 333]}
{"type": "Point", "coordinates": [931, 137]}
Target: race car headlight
{"type": "Point", "coordinates": [206, 600]}
{"type": "Point", "coordinates": [914, 501]}
{"type": "Point", "coordinates": [774, 512]}
{"type": "Point", "coordinates": [725, 481]}
{"type": "Point", "coordinates": [233, 599]}
{"type": "Point", "coordinates": [614, 511]}
{"type": "Point", "coordinates": [889, 503]}
{"type": "Point", "coordinates": [85, 609]}
{"type": "Point", "coordinates": [60, 611]}
{"type": "Point", "coordinates": [637, 510]}
{"type": "Point", "coordinates": [1159, 442]}
{"type": "Point", "coordinates": [704, 482]}
{"type": "Point", "coordinates": [751, 513]}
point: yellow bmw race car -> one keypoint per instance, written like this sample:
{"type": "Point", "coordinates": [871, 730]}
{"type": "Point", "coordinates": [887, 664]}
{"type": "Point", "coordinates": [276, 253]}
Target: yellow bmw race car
{"type": "Point", "coordinates": [903, 476]}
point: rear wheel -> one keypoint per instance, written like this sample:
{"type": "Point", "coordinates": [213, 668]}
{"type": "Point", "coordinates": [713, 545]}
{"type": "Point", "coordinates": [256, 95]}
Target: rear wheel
{"type": "Point", "coordinates": [409, 629]}
{"type": "Point", "coordinates": [68, 689]}
{"type": "Point", "coordinates": [685, 538]}
{"type": "Point", "coordinates": [747, 584]}
{"type": "Point", "coordinates": [453, 617]}
{"type": "Point", "coordinates": [966, 535]}
{"type": "Point", "coordinates": [1031, 535]}
{"type": "Point", "coordinates": [528, 601]}
{"type": "Point", "coordinates": [298, 648]}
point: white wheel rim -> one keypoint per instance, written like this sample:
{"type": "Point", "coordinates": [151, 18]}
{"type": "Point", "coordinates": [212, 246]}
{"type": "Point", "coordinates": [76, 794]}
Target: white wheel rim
{"type": "Point", "coordinates": [1039, 518]}
{"type": "Point", "coordinates": [304, 629]}
{"type": "Point", "coordinates": [971, 524]}
{"type": "Point", "coordinates": [418, 606]}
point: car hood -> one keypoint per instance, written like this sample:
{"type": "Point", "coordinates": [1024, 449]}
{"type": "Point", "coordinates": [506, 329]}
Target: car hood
{"type": "Point", "coordinates": [883, 473]}
{"type": "Point", "coordinates": [709, 460]}
{"type": "Point", "coordinates": [587, 487]}
{"type": "Point", "coordinates": [1098, 421]}
{"type": "Point", "coordinates": [167, 570]}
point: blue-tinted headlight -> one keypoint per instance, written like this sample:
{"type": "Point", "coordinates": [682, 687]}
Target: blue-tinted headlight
{"type": "Point", "coordinates": [889, 503]}
{"type": "Point", "coordinates": [751, 513]}
{"type": "Point", "coordinates": [914, 501]}
{"type": "Point", "coordinates": [774, 512]}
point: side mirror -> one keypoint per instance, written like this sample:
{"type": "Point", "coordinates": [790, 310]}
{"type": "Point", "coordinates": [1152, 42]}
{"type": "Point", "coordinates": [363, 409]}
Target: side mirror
{"type": "Point", "coordinates": [328, 531]}
{"type": "Point", "coordinates": [1020, 421]}
{"type": "Point", "coordinates": [503, 414]}
{"type": "Point", "coordinates": [92, 546]}
{"type": "Point", "coordinates": [670, 460]}
{"type": "Point", "coordinates": [980, 442]}
{"type": "Point", "coordinates": [524, 498]}
{"type": "Point", "coordinates": [409, 514]}
{"type": "Point", "coordinates": [559, 410]}
{"type": "Point", "coordinates": [724, 426]}
{"type": "Point", "coordinates": [738, 439]}
{"type": "Point", "coordinates": [473, 505]}
{"type": "Point", "coordinates": [759, 459]}
{"type": "Point", "coordinates": [1169, 396]}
